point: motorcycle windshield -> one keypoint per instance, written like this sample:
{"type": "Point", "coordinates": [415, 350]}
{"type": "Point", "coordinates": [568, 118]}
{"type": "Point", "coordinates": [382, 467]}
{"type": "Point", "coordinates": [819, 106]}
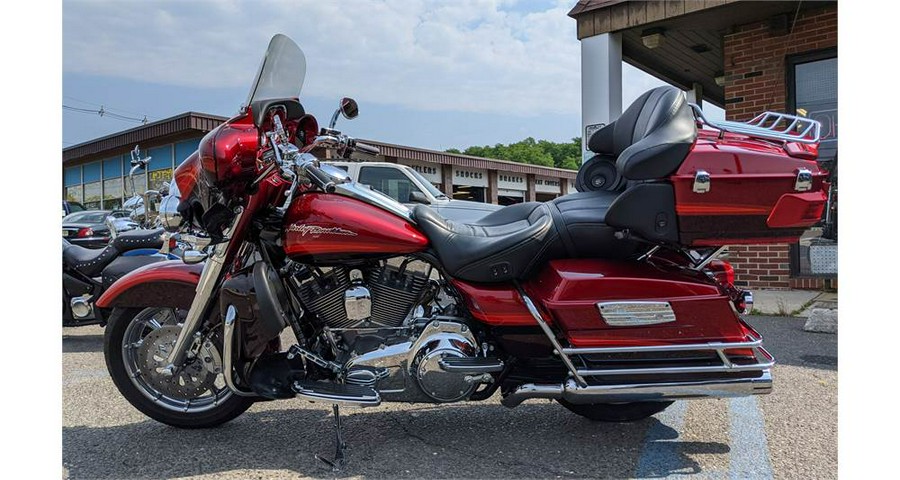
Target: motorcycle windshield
{"type": "Point", "coordinates": [281, 72]}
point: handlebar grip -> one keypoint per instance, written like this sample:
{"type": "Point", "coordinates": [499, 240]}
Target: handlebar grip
{"type": "Point", "coordinates": [365, 148]}
{"type": "Point", "coordinates": [320, 178]}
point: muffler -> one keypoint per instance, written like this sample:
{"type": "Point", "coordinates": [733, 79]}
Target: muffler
{"type": "Point", "coordinates": [641, 392]}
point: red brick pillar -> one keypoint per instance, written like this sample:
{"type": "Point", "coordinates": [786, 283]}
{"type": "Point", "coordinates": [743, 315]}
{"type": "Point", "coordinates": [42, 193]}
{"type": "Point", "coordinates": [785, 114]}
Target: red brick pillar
{"type": "Point", "coordinates": [447, 180]}
{"type": "Point", "coordinates": [493, 195]}
{"type": "Point", "coordinates": [530, 194]}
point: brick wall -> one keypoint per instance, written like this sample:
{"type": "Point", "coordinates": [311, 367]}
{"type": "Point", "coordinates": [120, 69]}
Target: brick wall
{"type": "Point", "coordinates": [755, 60]}
{"type": "Point", "coordinates": [755, 82]}
{"type": "Point", "coordinates": [760, 266]}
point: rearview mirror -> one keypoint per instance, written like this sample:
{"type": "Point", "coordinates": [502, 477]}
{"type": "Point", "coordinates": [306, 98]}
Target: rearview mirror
{"type": "Point", "coordinates": [349, 108]}
{"type": "Point", "coordinates": [418, 197]}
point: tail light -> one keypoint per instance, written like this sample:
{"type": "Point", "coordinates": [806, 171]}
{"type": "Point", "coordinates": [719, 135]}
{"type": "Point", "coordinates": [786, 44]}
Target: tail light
{"type": "Point", "coordinates": [85, 232]}
{"type": "Point", "coordinates": [722, 271]}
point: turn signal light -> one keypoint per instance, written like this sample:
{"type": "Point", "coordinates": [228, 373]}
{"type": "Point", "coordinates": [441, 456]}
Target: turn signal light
{"type": "Point", "coordinates": [744, 303]}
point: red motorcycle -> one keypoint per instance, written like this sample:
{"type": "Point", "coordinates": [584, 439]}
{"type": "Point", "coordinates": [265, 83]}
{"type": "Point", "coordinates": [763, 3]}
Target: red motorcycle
{"type": "Point", "coordinates": [610, 301]}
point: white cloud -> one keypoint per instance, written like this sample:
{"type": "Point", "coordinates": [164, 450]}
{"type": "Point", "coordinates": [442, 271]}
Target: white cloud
{"type": "Point", "coordinates": [470, 55]}
{"type": "Point", "coordinates": [485, 56]}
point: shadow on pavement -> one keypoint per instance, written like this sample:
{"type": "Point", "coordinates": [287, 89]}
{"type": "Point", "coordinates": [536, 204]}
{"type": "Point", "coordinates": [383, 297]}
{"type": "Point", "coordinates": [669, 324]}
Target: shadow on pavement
{"type": "Point", "coordinates": [473, 441]}
{"type": "Point", "coordinates": [82, 343]}
{"type": "Point", "coordinates": [785, 338]}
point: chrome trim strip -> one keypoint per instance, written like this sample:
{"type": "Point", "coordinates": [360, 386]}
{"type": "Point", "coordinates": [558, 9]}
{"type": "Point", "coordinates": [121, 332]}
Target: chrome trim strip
{"type": "Point", "coordinates": [571, 392]}
{"type": "Point", "coordinates": [636, 313]}
{"type": "Point", "coordinates": [228, 352]}
{"type": "Point", "coordinates": [557, 348]}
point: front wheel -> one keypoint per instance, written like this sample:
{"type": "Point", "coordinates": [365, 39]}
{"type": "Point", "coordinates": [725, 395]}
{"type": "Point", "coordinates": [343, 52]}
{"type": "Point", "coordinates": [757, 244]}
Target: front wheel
{"type": "Point", "coordinates": [136, 344]}
{"type": "Point", "coordinates": [616, 412]}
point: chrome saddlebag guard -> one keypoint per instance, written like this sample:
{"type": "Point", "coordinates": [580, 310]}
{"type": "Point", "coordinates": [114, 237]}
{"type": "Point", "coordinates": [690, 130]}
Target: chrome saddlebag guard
{"type": "Point", "coordinates": [729, 377]}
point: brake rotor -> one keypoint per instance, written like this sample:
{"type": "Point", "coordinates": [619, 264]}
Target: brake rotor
{"type": "Point", "coordinates": [195, 377]}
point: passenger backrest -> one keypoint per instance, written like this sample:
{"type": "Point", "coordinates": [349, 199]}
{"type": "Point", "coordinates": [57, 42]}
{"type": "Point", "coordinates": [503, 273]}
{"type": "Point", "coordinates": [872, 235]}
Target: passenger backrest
{"type": "Point", "coordinates": [652, 138]}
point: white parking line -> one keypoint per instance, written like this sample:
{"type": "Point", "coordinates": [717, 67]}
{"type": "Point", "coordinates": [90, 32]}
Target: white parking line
{"type": "Point", "coordinates": [747, 438]}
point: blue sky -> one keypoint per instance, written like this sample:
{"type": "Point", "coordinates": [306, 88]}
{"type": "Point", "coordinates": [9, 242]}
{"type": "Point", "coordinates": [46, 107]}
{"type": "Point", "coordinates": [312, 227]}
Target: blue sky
{"type": "Point", "coordinates": [425, 73]}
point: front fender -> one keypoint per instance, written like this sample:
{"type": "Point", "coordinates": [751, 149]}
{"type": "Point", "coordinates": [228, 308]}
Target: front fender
{"type": "Point", "coordinates": [171, 283]}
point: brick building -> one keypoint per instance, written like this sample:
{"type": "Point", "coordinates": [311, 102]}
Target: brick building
{"type": "Point", "coordinates": [744, 56]}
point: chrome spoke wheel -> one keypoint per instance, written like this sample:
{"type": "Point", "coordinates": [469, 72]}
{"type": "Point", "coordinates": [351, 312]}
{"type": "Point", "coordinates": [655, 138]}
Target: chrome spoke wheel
{"type": "Point", "coordinates": [198, 386]}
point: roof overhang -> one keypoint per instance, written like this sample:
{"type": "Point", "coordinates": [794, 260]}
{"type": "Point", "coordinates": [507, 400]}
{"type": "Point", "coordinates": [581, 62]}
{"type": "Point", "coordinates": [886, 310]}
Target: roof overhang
{"type": "Point", "coordinates": [692, 51]}
{"type": "Point", "coordinates": [188, 124]}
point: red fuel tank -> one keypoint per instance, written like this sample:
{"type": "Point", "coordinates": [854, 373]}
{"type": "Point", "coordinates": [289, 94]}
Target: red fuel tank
{"type": "Point", "coordinates": [331, 226]}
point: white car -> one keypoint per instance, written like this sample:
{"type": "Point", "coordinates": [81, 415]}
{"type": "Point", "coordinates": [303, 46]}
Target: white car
{"type": "Point", "coordinates": [407, 186]}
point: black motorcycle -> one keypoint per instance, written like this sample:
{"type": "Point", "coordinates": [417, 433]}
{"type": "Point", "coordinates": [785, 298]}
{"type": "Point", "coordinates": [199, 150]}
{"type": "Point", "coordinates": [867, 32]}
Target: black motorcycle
{"type": "Point", "coordinates": [87, 272]}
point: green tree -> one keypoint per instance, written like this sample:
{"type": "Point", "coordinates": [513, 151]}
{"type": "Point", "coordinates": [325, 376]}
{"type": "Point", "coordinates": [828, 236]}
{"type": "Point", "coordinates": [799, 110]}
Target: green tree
{"type": "Point", "coordinates": [531, 151]}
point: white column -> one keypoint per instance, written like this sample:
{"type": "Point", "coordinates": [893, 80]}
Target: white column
{"type": "Point", "coordinates": [601, 83]}
{"type": "Point", "coordinates": [695, 95]}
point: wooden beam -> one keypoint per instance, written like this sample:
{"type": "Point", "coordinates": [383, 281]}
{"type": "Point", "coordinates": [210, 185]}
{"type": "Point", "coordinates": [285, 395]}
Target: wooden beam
{"type": "Point", "coordinates": [674, 8]}
{"type": "Point", "coordinates": [637, 13]}
{"type": "Point", "coordinates": [601, 22]}
{"type": "Point", "coordinates": [585, 26]}
{"type": "Point", "coordinates": [656, 11]}
{"type": "Point", "coordinates": [618, 17]}
{"type": "Point", "coordinates": [693, 5]}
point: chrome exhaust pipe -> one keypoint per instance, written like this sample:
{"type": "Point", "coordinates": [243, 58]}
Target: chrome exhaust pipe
{"type": "Point", "coordinates": [640, 392]}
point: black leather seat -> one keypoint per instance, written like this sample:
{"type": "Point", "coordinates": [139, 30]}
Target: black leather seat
{"type": "Point", "coordinates": [647, 143]}
{"type": "Point", "coordinates": [91, 262]}
{"type": "Point", "coordinates": [509, 243]}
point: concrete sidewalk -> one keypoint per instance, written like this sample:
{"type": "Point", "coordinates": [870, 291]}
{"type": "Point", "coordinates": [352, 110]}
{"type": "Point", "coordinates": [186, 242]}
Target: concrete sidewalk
{"type": "Point", "coordinates": [791, 302]}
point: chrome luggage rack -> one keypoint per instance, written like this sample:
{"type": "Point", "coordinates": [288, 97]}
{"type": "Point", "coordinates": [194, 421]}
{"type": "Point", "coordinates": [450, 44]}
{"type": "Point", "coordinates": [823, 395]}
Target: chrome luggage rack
{"type": "Point", "coordinates": [768, 125]}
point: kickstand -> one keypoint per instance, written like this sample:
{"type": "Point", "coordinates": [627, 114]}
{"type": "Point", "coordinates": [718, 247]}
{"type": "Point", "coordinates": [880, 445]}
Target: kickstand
{"type": "Point", "coordinates": [338, 463]}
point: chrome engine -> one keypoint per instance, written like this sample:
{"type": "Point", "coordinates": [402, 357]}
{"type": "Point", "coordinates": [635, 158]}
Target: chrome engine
{"type": "Point", "coordinates": [379, 332]}
{"type": "Point", "coordinates": [368, 297]}
{"type": "Point", "coordinates": [406, 368]}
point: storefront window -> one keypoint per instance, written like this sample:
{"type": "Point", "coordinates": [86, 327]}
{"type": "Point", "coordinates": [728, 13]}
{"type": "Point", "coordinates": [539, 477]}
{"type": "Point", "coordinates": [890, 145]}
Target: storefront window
{"type": "Point", "coordinates": [158, 177]}
{"type": "Point", "coordinates": [73, 193]}
{"type": "Point", "coordinates": [813, 93]}
{"type": "Point", "coordinates": [92, 196]}
{"type": "Point", "coordinates": [140, 183]}
{"type": "Point", "coordinates": [112, 193]}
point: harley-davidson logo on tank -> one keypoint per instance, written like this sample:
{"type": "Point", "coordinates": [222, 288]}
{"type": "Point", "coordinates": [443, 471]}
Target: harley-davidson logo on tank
{"type": "Point", "coordinates": [317, 230]}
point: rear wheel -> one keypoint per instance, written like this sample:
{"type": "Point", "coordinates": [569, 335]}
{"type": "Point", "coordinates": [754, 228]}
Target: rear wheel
{"type": "Point", "coordinates": [136, 344]}
{"type": "Point", "coordinates": [617, 412]}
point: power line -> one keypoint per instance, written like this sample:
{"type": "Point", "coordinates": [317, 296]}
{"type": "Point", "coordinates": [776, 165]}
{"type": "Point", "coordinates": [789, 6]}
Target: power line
{"type": "Point", "coordinates": [105, 107]}
{"type": "Point", "coordinates": [106, 113]}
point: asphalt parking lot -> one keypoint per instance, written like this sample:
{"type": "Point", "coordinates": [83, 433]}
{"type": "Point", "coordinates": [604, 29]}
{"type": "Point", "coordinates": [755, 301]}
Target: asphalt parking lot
{"type": "Point", "coordinates": [791, 433]}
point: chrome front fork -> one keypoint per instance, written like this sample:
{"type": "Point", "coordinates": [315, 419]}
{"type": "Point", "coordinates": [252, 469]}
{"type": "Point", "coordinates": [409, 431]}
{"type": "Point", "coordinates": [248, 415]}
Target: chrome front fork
{"type": "Point", "coordinates": [209, 278]}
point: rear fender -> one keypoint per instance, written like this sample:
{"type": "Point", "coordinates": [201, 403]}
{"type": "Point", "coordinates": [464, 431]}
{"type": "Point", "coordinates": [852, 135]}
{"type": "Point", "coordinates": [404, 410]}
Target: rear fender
{"type": "Point", "coordinates": [171, 283]}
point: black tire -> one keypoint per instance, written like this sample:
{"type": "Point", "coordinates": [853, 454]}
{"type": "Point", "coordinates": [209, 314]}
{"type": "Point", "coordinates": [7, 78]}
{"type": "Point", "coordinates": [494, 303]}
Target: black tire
{"type": "Point", "coordinates": [226, 410]}
{"type": "Point", "coordinates": [617, 412]}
